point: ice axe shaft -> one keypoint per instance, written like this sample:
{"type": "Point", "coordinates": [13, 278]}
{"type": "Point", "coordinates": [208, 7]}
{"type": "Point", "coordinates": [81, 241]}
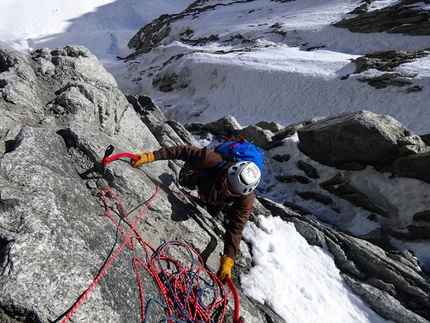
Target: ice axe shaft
{"type": "Point", "coordinates": [237, 318]}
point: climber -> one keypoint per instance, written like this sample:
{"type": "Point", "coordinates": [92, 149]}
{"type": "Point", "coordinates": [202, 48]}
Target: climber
{"type": "Point", "coordinates": [230, 187]}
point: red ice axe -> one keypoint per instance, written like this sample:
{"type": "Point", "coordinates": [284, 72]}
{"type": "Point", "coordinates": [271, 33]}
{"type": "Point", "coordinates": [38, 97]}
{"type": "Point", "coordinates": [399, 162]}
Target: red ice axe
{"type": "Point", "coordinates": [108, 158]}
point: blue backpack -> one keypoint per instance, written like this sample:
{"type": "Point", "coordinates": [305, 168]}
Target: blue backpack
{"type": "Point", "coordinates": [240, 150]}
{"type": "Point", "coordinates": [236, 151]}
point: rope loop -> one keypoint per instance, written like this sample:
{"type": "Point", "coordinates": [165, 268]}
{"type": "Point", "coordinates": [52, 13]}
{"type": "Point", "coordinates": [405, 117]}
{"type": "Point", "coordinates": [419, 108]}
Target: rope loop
{"type": "Point", "coordinates": [190, 292]}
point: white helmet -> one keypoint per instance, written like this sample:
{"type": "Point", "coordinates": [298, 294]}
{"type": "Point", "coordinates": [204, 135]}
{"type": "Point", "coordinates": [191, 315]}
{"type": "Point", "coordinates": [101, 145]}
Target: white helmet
{"type": "Point", "coordinates": [244, 176]}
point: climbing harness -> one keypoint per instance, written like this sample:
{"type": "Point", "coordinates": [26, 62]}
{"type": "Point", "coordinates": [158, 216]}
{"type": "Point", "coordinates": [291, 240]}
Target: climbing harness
{"type": "Point", "coordinates": [191, 294]}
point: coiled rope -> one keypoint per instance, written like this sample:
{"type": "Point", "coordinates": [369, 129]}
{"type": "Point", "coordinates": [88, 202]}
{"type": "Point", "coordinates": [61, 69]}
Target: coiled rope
{"type": "Point", "coordinates": [191, 294]}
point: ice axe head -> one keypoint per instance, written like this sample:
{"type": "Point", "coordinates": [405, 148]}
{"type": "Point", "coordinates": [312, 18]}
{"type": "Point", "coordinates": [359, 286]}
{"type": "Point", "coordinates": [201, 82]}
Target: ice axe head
{"type": "Point", "coordinates": [108, 152]}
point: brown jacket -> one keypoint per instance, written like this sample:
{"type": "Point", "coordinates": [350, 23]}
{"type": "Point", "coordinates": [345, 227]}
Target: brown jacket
{"type": "Point", "coordinates": [204, 159]}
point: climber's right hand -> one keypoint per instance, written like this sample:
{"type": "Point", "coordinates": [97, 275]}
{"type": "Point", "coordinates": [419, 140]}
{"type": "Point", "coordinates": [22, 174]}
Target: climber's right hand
{"type": "Point", "coordinates": [142, 159]}
{"type": "Point", "coordinates": [226, 263]}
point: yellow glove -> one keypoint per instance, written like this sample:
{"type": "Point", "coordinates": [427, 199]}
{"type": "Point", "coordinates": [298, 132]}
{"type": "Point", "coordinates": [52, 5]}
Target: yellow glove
{"type": "Point", "coordinates": [225, 268]}
{"type": "Point", "coordinates": [143, 159]}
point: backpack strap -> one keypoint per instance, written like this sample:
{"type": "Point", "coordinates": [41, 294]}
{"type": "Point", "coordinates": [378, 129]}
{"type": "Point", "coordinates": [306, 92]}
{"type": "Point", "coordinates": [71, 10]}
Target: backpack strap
{"type": "Point", "coordinates": [212, 171]}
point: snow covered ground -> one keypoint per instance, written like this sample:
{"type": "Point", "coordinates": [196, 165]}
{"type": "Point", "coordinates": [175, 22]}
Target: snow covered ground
{"type": "Point", "coordinates": [276, 82]}
{"type": "Point", "coordinates": [281, 78]}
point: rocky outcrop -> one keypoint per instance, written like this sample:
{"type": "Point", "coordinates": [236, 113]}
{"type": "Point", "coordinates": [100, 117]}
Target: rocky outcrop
{"type": "Point", "coordinates": [61, 110]}
{"type": "Point", "coordinates": [260, 134]}
{"type": "Point", "coordinates": [405, 17]}
{"type": "Point", "coordinates": [159, 31]}
{"type": "Point", "coordinates": [359, 137]}
{"type": "Point", "coordinates": [414, 166]}
{"type": "Point", "coordinates": [387, 62]}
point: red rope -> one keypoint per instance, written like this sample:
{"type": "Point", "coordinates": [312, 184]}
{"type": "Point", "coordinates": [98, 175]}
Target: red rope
{"type": "Point", "coordinates": [181, 290]}
{"type": "Point", "coordinates": [237, 318]}
{"type": "Point", "coordinates": [126, 241]}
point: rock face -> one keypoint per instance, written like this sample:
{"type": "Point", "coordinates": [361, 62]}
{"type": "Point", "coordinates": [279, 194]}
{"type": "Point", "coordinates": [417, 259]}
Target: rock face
{"type": "Point", "coordinates": [60, 110]}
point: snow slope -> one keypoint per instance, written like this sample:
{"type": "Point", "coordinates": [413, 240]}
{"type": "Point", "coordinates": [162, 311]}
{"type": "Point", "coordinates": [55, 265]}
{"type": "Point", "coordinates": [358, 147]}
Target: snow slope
{"type": "Point", "coordinates": [290, 69]}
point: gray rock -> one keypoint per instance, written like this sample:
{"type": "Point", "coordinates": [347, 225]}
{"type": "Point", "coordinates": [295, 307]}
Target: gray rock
{"type": "Point", "coordinates": [361, 136]}
{"type": "Point", "coordinates": [308, 169]}
{"type": "Point", "coordinates": [414, 166]}
{"type": "Point", "coordinates": [348, 192]}
{"type": "Point", "coordinates": [422, 216]}
{"type": "Point", "coordinates": [387, 60]}
{"type": "Point", "coordinates": [272, 126]}
{"type": "Point", "coordinates": [262, 138]}
{"type": "Point", "coordinates": [318, 197]}
{"type": "Point", "coordinates": [292, 129]}
{"type": "Point", "coordinates": [292, 178]}
{"type": "Point", "coordinates": [402, 18]}
{"type": "Point", "coordinates": [382, 302]}
{"type": "Point", "coordinates": [56, 245]}
{"type": "Point", "coordinates": [229, 127]}
{"type": "Point", "coordinates": [226, 127]}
